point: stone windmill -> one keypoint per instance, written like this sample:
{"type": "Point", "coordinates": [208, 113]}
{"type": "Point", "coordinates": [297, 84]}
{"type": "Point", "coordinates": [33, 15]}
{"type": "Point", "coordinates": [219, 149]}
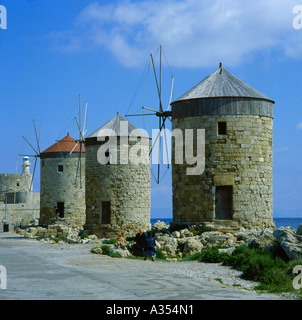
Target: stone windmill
{"type": "Point", "coordinates": [117, 188]}
{"type": "Point", "coordinates": [59, 166]}
{"type": "Point", "coordinates": [236, 185]}
{"type": "Point", "coordinates": [62, 177]}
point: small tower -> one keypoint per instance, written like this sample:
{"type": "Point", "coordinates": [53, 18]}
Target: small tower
{"type": "Point", "coordinates": [117, 192]}
{"type": "Point", "coordinates": [236, 185]}
{"type": "Point", "coordinates": [26, 166]}
{"type": "Point", "coordinates": [63, 182]}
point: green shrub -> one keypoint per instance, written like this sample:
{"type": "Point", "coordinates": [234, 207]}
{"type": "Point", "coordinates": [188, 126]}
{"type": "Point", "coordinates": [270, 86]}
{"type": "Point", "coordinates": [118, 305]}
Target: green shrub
{"type": "Point", "coordinates": [84, 235]}
{"type": "Point", "coordinates": [160, 255]}
{"type": "Point", "coordinates": [106, 249]}
{"type": "Point", "coordinates": [62, 237]}
{"type": "Point", "coordinates": [116, 255]}
{"type": "Point", "coordinates": [212, 255]}
{"type": "Point", "coordinates": [193, 257]}
{"type": "Point", "coordinates": [109, 241]}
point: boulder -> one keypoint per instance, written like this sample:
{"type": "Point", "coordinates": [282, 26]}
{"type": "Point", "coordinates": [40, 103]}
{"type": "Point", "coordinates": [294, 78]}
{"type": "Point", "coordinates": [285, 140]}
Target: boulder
{"type": "Point", "coordinates": [299, 230]}
{"type": "Point", "coordinates": [175, 234]}
{"type": "Point", "coordinates": [185, 233]}
{"type": "Point", "coordinates": [192, 246]}
{"type": "Point", "coordinates": [169, 245]}
{"type": "Point", "coordinates": [121, 252]}
{"type": "Point", "coordinates": [264, 239]}
{"type": "Point", "coordinates": [97, 250]}
{"type": "Point", "coordinates": [216, 237]}
{"type": "Point", "coordinates": [159, 226]}
{"type": "Point", "coordinates": [71, 239]}
{"type": "Point", "coordinates": [290, 242]}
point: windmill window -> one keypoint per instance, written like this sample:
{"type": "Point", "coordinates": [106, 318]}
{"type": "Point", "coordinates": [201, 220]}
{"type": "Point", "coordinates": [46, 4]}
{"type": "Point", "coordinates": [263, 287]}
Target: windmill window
{"type": "Point", "coordinates": [222, 128]}
{"type": "Point", "coordinates": [60, 168]}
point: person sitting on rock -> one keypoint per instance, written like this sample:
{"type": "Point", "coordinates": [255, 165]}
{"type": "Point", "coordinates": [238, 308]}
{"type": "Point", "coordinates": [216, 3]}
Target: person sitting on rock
{"type": "Point", "coordinates": [149, 248]}
{"type": "Point", "coordinates": [139, 244]}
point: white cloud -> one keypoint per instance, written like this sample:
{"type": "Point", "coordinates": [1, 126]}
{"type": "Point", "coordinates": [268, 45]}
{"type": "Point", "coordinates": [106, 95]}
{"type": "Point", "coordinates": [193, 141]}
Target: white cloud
{"type": "Point", "coordinates": [194, 33]}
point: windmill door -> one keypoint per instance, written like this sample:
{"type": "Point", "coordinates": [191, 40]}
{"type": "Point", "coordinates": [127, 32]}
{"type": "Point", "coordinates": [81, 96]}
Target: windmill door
{"type": "Point", "coordinates": [106, 212]}
{"type": "Point", "coordinates": [224, 203]}
{"type": "Point", "coordinates": [61, 207]}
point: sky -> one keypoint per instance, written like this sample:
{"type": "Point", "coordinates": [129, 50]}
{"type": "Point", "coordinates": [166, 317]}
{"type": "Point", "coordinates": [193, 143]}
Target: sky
{"type": "Point", "coordinates": [52, 51]}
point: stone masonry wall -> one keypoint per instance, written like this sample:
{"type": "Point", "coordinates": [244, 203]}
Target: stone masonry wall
{"type": "Point", "coordinates": [126, 186]}
{"type": "Point", "coordinates": [242, 158]}
{"type": "Point", "coordinates": [9, 181]}
{"type": "Point", "coordinates": [61, 187]}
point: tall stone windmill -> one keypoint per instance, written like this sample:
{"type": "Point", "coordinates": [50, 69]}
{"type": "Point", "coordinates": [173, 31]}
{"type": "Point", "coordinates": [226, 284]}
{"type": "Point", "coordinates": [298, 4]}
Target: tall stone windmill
{"type": "Point", "coordinates": [62, 182]}
{"type": "Point", "coordinates": [236, 185]}
{"type": "Point", "coordinates": [117, 188]}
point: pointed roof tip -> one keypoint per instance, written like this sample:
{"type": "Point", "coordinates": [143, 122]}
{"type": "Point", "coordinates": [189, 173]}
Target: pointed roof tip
{"type": "Point", "coordinates": [221, 85]}
{"type": "Point", "coordinates": [66, 144]}
{"type": "Point", "coordinates": [114, 127]}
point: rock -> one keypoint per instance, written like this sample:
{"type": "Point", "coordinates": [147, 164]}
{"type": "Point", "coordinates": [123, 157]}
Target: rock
{"type": "Point", "coordinates": [216, 237]}
{"type": "Point", "coordinates": [93, 237]}
{"type": "Point", "coordinates": [185, 233]}
{"type": "Point", "coordinates": [121, 252]}
{"type": "Point", "coordinates": [97, 250]}
{"type": "Point", "coordinates": [227, 250]}
{"type": "Point", "coordinates": [290, 242]}
{"type": "Point", "coordinates": [169, 244]}
{"type": "Point", "coordinates": [192, 246]}
{"type": "Point", "coordinates": [175, 234]}
{"type": "Point", "coordinates": [299, 230]}
{"type": "Point", "coordinates": [71, 239]}
{"type": "Point", "coordinates": [265, 239]}
{"type": "Point", "coordinates": [159, 225]}
{"type": "Point", "coordinates": [157, 245]}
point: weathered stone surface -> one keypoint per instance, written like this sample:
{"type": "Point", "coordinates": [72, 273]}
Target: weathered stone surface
{"type": "Point", "coordinates": [122, 252]}
{"type": "Point", "coordinates": [299, 230]}
{"type": "Point", "coordinates": [242, 159]}
{"type": "Point", "coordinates": [264, 239]}
{"type": "Point", "coordinates": [71, 238]}
{"type": "Point", "coordinates": [126, 186]}
{"type": "Point", "coordinates": [192, 246]}
{"type": "Point", "coordinates": [61, 187]}
{"type": "Point", "coordinates": [290, 242]}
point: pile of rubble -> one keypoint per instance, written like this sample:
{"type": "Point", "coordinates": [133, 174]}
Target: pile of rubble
{"type": "Point", "coordinates": [182, 242]}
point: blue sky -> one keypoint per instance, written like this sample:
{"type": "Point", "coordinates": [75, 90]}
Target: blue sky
{"type": "Point", "coordinates": [54, 50]}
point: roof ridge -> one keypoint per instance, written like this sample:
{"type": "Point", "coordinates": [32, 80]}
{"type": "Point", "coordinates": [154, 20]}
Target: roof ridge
{"type": "Point", "coordinates": [222, 83]}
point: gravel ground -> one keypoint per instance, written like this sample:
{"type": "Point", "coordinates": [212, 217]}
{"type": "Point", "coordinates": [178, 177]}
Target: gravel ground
{"type": "Point", "coordinates": [214, 273]}
{"type": "Point", "coordinates": [41, 270]}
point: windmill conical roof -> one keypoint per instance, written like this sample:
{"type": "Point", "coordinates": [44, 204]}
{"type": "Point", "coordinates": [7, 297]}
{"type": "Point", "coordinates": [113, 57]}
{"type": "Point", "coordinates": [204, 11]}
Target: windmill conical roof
{"type": "Point", "coordinates": [114, 126]}
{"type": "Point", "coordinates": [64, 145]}
{"type": "Point", "coordinates": [222, 83]}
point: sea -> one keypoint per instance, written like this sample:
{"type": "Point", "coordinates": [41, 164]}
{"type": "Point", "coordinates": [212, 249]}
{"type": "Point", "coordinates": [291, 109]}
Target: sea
{"type": "Point", "coordinates": [279, 222]}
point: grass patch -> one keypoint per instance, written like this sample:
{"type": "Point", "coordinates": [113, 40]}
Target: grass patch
{"type": "Point", "coordinates": [273, 273]}
{"type": "Point", "coordinates": [109, 241]}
